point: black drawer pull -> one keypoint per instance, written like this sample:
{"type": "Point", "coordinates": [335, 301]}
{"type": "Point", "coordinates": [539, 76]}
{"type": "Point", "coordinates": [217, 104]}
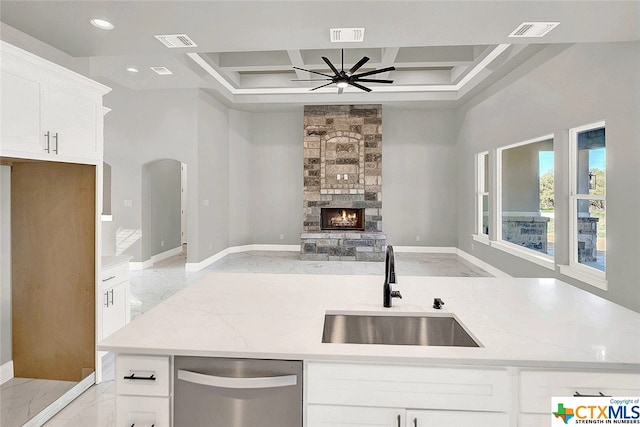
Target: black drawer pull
{"type": "Point", "coordinates": [600, 394]}
{"type": "Point", "coordinates": [133, 377]}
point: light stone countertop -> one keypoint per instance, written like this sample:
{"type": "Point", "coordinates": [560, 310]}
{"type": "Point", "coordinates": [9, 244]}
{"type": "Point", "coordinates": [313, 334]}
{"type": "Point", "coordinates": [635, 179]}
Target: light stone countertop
{"type": "Point", "coordinates": [519, 322]}
{"type": "Point", "coordinates": [109, 261]}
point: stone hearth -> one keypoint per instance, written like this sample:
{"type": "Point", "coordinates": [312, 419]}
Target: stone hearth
{"type": "Point", "coordinates": [343, 170]}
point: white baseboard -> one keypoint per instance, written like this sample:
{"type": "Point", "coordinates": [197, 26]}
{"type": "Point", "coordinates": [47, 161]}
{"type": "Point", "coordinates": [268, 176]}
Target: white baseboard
{"type": "Point", "coordinates": [155, 258]}
{"type": "Point", "coordinates": [425, 249]}
{"type": "Point", "coordinates": [166, 254]}
{"type": "Point", "coordinates": [483, 265]}
{"type": "Point", "coordinates": [6, 371]}
{"type": "Point", "coordinates": [197, 266]}
{"type": "Point", "coordinates": [452, 250]}
{"type": "Point", "coordinates": [47, 413]}
{"type": "Point", "coordinates": [140, 265]}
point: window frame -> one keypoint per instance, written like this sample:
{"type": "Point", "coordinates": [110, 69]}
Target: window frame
{"type": "Point", "coordinates": [481, 184]}
{"type": "Point", "coordinates": [575, 269]}
{"type": "Point", "coordinates": [542, 259]}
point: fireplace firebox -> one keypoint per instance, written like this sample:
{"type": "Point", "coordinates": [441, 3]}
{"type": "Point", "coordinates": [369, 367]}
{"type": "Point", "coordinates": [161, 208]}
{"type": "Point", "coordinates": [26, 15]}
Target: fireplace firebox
{"type": "Point", "coordinates": [342, 219]}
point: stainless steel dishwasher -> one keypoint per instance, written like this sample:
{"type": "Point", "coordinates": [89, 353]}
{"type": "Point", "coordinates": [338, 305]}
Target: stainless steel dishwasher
{"type": "Point", "coordinates": [216, 392]}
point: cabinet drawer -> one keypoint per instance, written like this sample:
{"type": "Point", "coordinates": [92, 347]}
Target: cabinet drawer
{"type": "Point", "coordinates": [537, 387]}
{"type": "Point", "coordinates": [456, 419]}
{"type": "Point", "coordinates": [113, 275]}
{"type": "Point", "coordinates": [353, 416]}
{"type": "Point", "coordinates": [143, 411]}
{"type": "Point", "coordinates": [535, 420]}
{"type": "Point", "coordinates": [142, 367]}
{"type": "Point", "coordinates": [408, 386]}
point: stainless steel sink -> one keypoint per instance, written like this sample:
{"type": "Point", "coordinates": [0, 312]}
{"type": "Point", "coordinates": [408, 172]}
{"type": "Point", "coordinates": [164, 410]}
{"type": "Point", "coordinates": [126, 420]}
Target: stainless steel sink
{"type": "Point", "coordinates": [396, 329]}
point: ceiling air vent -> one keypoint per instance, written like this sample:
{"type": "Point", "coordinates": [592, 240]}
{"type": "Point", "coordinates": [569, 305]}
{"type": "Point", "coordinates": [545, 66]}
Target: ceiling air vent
{"type": "Point", "coordinates": [163, 71]}
{"type": "Point", "coordinates": [339, 35]}
{"type": "Point", "coordinates": [533, 29]}
{"type": "Point", "coordinates": [176, 40]}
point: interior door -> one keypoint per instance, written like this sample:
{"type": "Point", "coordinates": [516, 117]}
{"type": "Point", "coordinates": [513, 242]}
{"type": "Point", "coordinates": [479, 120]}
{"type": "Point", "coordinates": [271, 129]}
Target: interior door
{"type": "Point", "coordinates": [53, 270]}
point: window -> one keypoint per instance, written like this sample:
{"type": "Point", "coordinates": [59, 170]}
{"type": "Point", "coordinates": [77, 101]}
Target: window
{"type": "Point", "coordinates": [482, 195]}
{"type": "Point", "coordinates": [588, 199]}
{"type": "Point", "coordinates": [526, 199]}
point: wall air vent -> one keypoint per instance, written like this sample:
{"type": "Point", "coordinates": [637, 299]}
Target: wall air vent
{"type": "Point", "coordinates": [163, 71]}
{"type": "Point", "coordinates": [176, 40]}
{"type": "Point", "coordinates": [533, 29]}
{"type": "Point", "coordinates": [341, 35]}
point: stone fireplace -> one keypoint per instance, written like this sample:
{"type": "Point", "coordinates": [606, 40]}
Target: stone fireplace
{"type": "Point", "coordinates": [343, 183]}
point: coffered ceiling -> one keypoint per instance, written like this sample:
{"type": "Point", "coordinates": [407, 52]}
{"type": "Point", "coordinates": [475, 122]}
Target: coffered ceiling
{"type": "Point", "coordinates": [443, 51]}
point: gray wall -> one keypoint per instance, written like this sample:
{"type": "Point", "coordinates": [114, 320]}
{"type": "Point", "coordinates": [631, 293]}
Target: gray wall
{"type": "Point", "coordinates": [275, 177]}
{"type": "Point", "coordinates": [209, 234]}
{"type": "Point", "coordinates": [5, 265]}
{"type": "Point", "coordinates": [419, 177]}
{"type": "Point", "coordinates": [161, 181]}
{"type": "Point", "coordinates": [240, 185]}
{"type": "Point", "coordinates": [580, 85]}
{"type": "Point", "coordinates": [143, 126]}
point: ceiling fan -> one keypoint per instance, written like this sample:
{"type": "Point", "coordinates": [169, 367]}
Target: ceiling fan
{"type": "Point", "coordinates": [344, 78]}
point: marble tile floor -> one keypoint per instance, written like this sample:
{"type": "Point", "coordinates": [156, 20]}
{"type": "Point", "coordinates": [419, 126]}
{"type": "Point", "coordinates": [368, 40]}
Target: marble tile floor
{"type": "Point", "coordinates": [96, 407]}
{"type": "Point", "coordinates": [22, 398]}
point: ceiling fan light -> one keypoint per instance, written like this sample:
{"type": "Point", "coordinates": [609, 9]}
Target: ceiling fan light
{"type": "Point", "coordinates": [342, 85]}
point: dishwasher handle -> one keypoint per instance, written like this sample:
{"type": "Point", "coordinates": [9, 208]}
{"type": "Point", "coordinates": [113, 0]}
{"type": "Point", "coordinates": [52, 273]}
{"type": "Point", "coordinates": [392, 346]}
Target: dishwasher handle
{"type": "Point", "coordinates": [229, 382]}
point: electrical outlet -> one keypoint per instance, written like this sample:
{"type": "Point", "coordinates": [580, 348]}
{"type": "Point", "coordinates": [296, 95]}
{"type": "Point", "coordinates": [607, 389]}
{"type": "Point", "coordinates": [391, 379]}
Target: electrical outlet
{"type": "Point", "coordinates": [417, 238]}
{"type": "Point", "coordinates": [162, 243]}
{"type": "Point", "coordinates": [282, 237]}
{"type": "Point", "coordinates": [472, 246]}
{"type": "Point", "coordinates": [210, 246]}
{"type": "Point", "coordinates": [205, 202]}
{"type": "Point", "coordinates": [128, 203]}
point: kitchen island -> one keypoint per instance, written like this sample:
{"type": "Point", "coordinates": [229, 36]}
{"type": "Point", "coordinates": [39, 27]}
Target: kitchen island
{"type": "Point", "coordinates": [532, 334]}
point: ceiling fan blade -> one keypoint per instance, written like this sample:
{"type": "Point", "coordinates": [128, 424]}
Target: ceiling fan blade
{"type": "Point", "coordinates": [368, 73]}
{"type": "Point", "coordinates": [360, 86]}
{"type": "Point", "coordinates": [330, 83]}
{"type": "Point", "coordinates": [314, 72]}
{"type": "Point", "coordinates": [358, 65]}
{"type": "Point", "coordinates": [334, 69]}
{"type": "Point", "coordinates": [374, 80]}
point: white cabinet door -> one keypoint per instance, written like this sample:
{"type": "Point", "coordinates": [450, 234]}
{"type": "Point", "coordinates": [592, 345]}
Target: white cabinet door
{"type": "Point", "coordinates": [353, 416]}
{"type": "Point", "coordinates": [143, 411]}
{"type": "Point", "coordinates": [21, 100]}
{"type": "Point", "coordinates": [114, 309]}
{"type": "Point", "coordinates": [456, 419]}
{"type": "Point", "coordinates": [72, 118]}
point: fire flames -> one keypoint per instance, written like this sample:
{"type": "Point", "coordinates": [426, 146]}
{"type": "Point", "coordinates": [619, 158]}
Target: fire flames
{"type": "Point", "coordinates": [344, 219]}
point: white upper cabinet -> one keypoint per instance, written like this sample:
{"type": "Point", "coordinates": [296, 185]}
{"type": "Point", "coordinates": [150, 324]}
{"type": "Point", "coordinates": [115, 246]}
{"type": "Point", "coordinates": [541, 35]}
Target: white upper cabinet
{"type": "Point", "coordinates": [48, 112]}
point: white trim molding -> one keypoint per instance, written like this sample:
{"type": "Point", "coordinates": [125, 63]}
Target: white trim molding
{"type": "Point", "coordinates": [6, 371]}
{"type": "Point", "coordinates": [453, 250]}
{"type": "Point", "coordinates": [526, 254]}
{"type": "Point", "coordinates": [585, 275]}
{"type": "Point", "coordinates": [166, 254]}
{"type": "Point", "coordinates": [197, 266]}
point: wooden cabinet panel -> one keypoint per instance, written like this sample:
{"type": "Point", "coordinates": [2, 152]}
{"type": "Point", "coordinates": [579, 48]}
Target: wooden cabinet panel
{"type": "Point", "coordinates": [53, 269]}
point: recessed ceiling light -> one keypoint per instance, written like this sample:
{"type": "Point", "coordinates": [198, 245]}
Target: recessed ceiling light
{"type": "Point", "coordinates": [102, 24]}
{"type": "Point", "coordinates": [132, 69]}
{"type": "Point", "coordinates": [533, 29]}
